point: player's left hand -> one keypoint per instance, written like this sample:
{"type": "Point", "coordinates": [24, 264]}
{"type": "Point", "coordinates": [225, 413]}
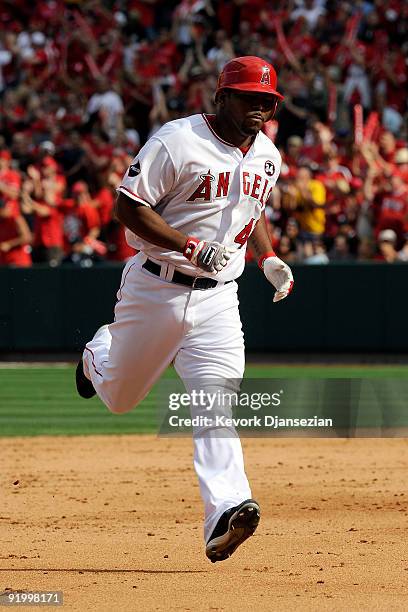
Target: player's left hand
{"type": "Point", "coordinates": [279, 275]}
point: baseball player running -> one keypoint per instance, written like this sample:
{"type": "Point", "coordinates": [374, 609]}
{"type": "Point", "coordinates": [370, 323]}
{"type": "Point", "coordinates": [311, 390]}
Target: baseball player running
{"type": "Point", "coordinates": [191, 201]}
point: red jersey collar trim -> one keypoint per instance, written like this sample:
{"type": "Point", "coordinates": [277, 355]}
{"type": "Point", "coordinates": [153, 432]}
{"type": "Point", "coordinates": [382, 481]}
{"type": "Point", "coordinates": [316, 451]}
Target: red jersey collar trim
{"type": "Point", "coordinates": [229, 144]}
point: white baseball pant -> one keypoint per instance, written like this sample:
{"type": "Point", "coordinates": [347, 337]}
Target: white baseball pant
{"type": "Point", "coordinates": [157, 322]}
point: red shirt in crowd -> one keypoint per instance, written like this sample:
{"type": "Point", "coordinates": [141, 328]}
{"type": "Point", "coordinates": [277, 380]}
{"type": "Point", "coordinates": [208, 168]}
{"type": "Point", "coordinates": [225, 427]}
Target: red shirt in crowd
{"type": "Point", "coordinates": [393, 211]}
{"type": "Point", "coordinates": [48, 230]}
{"type": "Point", "coordinates": [78, 222]}
{"type": "Point", "coordinates": [118, 248]}
{"type": "Point", "coordinates": [19, 255]}
{"type": "Point", "coordinates": [105, 201]}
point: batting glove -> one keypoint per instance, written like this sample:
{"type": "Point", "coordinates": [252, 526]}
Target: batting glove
{"type": "Point", "coordinates": [209, 256]}
{"type": "Point", "coordinates": [278, 274]}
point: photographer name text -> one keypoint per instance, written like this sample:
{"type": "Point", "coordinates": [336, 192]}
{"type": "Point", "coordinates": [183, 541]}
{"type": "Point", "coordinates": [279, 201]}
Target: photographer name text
{"type": "Point", "coordinates": [274, 422]}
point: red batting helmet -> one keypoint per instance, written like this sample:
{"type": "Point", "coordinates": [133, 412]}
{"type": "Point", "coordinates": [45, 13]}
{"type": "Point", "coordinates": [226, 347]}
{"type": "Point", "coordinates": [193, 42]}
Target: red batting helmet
{"type": "Point", "coordinates": [249, 73]}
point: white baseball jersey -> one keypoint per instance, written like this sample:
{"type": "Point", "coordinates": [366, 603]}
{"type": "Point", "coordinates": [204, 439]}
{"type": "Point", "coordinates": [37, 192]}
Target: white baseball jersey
{"type": "Point", "coordinates": [202, 186]}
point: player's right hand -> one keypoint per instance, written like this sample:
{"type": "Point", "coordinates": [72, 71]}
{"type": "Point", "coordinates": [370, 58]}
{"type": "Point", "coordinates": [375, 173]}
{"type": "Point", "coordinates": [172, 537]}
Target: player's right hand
{"type": "Point", "coordinates": [209, 256]}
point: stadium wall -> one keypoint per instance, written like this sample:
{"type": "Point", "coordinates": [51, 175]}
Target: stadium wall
{"type": "Point", "coordinates": [340, 307]}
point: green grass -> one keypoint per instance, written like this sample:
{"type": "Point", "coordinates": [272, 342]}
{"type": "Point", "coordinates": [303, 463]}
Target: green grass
{"type": "Point", "coordinates": [43, 400]}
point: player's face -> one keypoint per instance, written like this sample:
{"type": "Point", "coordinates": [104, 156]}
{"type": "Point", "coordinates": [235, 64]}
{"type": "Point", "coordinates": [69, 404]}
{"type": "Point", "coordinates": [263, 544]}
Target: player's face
{"type": "Point", "coordinates": [249, 111]}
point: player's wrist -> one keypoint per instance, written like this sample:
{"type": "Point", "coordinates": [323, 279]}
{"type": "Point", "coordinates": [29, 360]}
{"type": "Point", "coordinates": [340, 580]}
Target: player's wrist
{"type": "Point", "coordinates": [190, 247]}
{"type": "Point", "coordinates": [265, 256]}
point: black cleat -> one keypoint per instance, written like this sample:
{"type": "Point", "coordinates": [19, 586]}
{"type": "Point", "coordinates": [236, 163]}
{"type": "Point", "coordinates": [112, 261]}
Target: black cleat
{"type": "Point", "coordinates": [84, 386]}
{"type": "Point", "coordinates": [234, 527]}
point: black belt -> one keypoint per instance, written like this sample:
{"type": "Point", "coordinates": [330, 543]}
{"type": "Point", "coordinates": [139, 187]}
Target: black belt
{"type": "Point", "coordinates": [196, 282]}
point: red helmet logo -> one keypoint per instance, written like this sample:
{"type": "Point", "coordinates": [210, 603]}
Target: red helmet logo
{"type": "Point", "coordinates": [266, 76]}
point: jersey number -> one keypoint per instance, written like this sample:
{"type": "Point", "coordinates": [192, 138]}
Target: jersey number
{"type": "Point", "coordinates": [244, 234]}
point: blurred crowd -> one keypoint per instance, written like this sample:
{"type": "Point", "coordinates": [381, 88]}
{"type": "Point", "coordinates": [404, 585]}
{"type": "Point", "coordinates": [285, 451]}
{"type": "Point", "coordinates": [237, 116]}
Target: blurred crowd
{"type": "Point", "coordinates": [83, 84]}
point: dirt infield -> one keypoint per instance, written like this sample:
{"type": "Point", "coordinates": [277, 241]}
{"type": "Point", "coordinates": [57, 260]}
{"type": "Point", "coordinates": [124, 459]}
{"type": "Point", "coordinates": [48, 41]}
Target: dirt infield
{"type": "Point", "coordinates": [115, 523]}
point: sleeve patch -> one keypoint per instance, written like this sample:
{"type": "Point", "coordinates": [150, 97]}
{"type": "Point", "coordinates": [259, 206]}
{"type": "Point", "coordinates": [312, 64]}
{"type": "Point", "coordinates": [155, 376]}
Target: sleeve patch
{"type": "Point", "coordinates": [134, 169]}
